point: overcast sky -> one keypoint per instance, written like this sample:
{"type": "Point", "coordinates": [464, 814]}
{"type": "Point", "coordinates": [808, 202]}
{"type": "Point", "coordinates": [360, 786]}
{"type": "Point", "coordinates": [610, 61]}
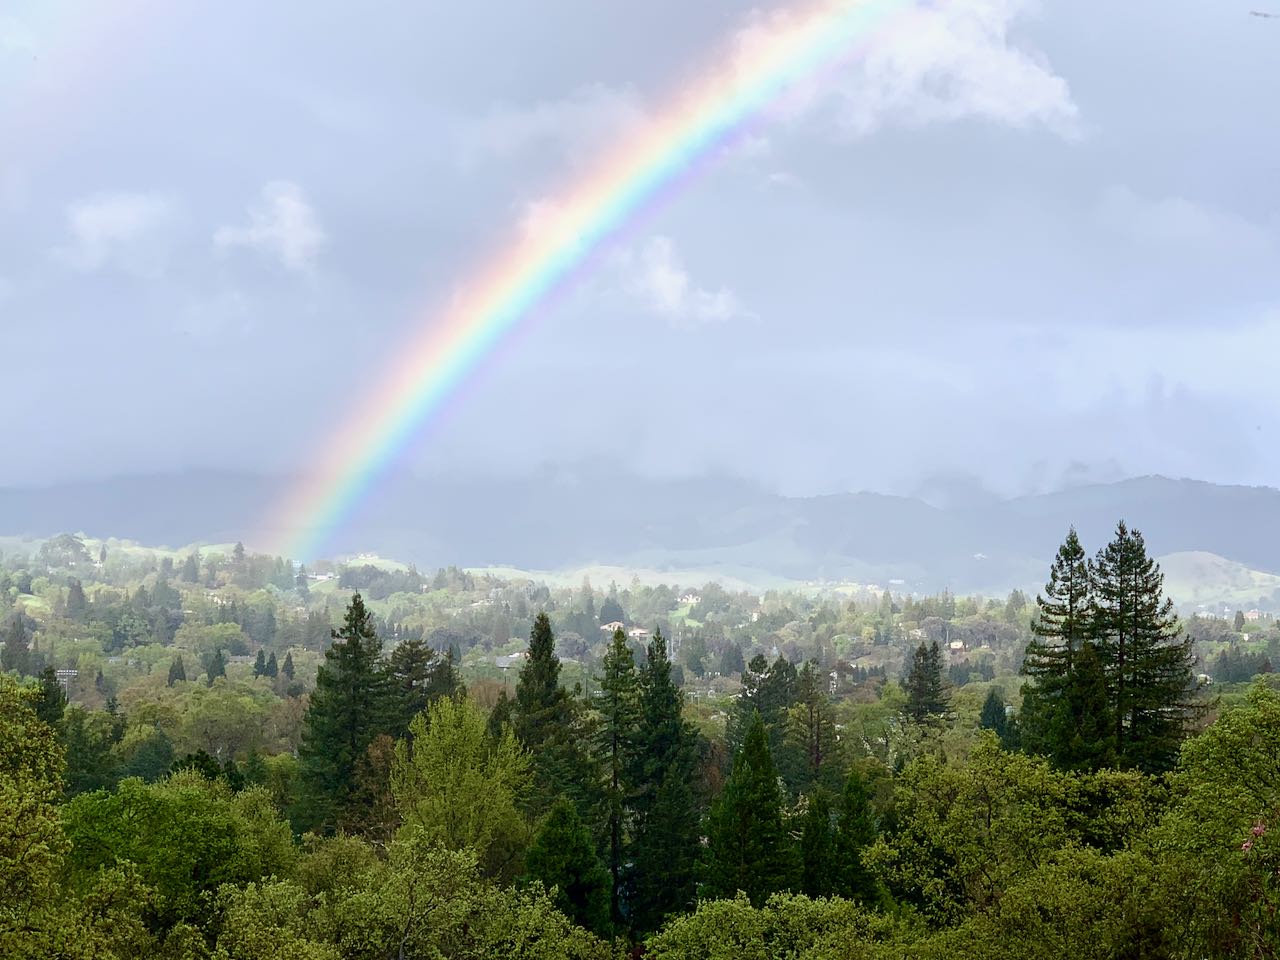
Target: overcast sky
{"type": "Point", "coordinates": [1023, 243]}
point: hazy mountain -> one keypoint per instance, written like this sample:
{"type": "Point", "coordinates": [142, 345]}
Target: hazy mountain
{"type": "Point", "coordinates": [558, 520]}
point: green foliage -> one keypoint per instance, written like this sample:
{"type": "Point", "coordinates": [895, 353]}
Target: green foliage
{"type": "Point", "coordinates": [351, 705]}
{"type": "Point", "coordinates": [31, 840]}
{"type": "Point", "coordinates": [810, 755]}
{"type": "Point", "coordinates": [51, 701]}
{"type": "Point", "coordinates": [1147, 662]}
{"type": "Point", "coordinates": [419, 677]}
{"type": "Point", "coordinates": [749, 848]}
{"type": "Point", "coordinates": [926, 686]}
{"type": "Point", "coordinates": [855, 832]}
{"type": "Point", "coordinates": [787, 925]}
{"type": "Point", "coordinates": [994, 716]}
{"type": "Point", "coordinates": [665, 846]}
{"type": "Point", "coordinates": [546, 723]}
{"type": "Point", "coordinates": [563, 859]}
{"type": "Point", "coordinates": [818, 865]}
{"type": "Point", "coordinates": [1112, 674]}
{"type": "Point", "coordinates": [15, 654]}
{"type": "Point", "coordinates": [966, 832]}
{"type": "Point", "coordinates": [461, 788]}
{"type": "Point", "coordinates": [424, 901]}
{"type": "Point", "coordinates": [186, 835]}
{"type": "Point", "coordinates": [1221, 839]}
{"type": "Point", "coordinates": [618, 707]}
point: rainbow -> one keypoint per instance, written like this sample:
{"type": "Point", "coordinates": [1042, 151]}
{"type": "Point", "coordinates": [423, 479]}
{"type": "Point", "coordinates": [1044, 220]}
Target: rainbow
{"type": "Point", "coordinates": [430, 368]}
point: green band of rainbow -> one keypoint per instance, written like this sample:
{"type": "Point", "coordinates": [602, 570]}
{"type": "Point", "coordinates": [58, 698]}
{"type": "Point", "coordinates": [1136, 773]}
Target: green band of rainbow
{"type": "Point", "coordinates": [433, 366]}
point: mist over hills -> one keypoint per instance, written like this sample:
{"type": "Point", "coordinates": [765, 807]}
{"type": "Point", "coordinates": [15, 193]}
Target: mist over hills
{"type": "Point", "coordinates": [561, 520]}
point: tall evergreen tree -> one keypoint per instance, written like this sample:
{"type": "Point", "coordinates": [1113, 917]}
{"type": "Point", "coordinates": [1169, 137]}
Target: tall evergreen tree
{"type": "Point", "coordinates": [1083, 736]}
{"type": "Point", "coordinates": [749, 848]}
{"type": "Point", "coordinates": [927, 695]}
{"type": "Point", "coordinates": [768, 689]}
{"type": "Point", "coordinates": [543, 715]}
{"type": "Point", "coordinates": [818, 864]}
{"type": "Point", "coordinates": [272, 669]}
{"type": "Point", "coordinates": [994, 716]}
{"type": "Point", "coordinates": [666, 834]}
{"type": "Point", "coordinates": [1064, 620]}
{"type": "Point", "coordinates": [77, 602]}
{"type": "Point", "coordinates": [16, 654]}
{"type": "Point", "coordinates": [217, 667]}
{"type": "Point", "coordinates": [564, 859]}
{"type": "Point", "coordinates": [420, 676]}
{"type": "Point", "coordinates": [618, 707]}
{"type": "Point", "coordinates": [286, 668]}
{"type": "Point", "coordinates": [260, 663]}
{"type": "Point", "coordinates": [177, 671]}
{"type": "Point", "coordinates": [855, 831]}
{"type": "Point", "coordinates": [810, 751]}
{"type": "Point", "coordinates": [52, 699]}
{"type": "Point", "coordinates": [1146, 659]}
{"type": "Point", "coordinates": [351, 704]}
{"type": "Point", "coordinates": [191, 569]}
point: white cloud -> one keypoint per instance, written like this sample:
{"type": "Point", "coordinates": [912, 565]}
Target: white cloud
{"type": "Point", "coordinates": [949, 62]}
{"type": "Point", "coordinates": [576, 125]}
{"type": "Point", "coordinates": [128, 231]}
{"type": "Point", "coordinates": [651, 273]}
{"type": "Point", "coordinates": [655, 276]}
{"type": "Point", "coordinates": [1177, 221]}
{"type": "Point", "coordinates": [281, 226]}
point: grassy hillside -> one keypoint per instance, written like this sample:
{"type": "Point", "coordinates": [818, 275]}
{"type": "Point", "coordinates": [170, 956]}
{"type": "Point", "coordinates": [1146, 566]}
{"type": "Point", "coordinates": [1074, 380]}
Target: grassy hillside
{"type": "Point", "coordinates": [1198, 577]}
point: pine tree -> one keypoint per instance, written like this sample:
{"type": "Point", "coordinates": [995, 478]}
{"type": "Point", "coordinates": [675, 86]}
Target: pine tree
{"type": "Point", "coordinates": [818, 865]}
{"type": "Point", "coordinates": [1146, 660]}
{"type": "Point", "coordinates": [77, 602]}
{"type": "Point", "coordinates": [927, 696]}
{"type": "Point", "coordinates": [350, 705]}
{"type": "Point", "coordinates": [217, 667]}
{"type": "Point", "coordinates": [273, 668]}
{"type": "Point", "coordinates": [260, 663]}
{"type": "Point", "coordinates": [177, 671]}
{"type": "Point", "coordinates": [749, 848]}
{"type": "Point", "coordinates": [855, 831]}
{"type": "Point", "coordinates": [994, 716]}
{"type": "Point", "coordinates": [564, 859]}
{"type": "Point", "coordinates": [1083, 736]}
{"type": "Point", "coordinates": [810, 746]}
{"type": "Point", "coordinates": [287, 667]}
{"type": "Point", "coordinates": [410, 667]}
{"type": "Point", "coordinates": [768, 689]}
{"type": "Point", "coordinates": [618, 707]}
{"type": "Point", "coordinates": [191, 568]}
{"type": "Point", "coordinates": [666, 834]}
{"type": "Point", "coordinates": [1064, 620]}
{"type": "Point", "coordinates": [16, 654]}
{"type": "Point", "coordinates": [52, 699]}
{"type": "Point", "coordinates": [421, 676]}
{"type": "Point", "coordinates": [543, 715]}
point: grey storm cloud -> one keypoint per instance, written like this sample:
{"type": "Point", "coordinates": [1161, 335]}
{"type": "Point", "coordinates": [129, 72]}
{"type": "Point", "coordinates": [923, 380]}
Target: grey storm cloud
{"type": "Point", "coordinates": [1016, 242]}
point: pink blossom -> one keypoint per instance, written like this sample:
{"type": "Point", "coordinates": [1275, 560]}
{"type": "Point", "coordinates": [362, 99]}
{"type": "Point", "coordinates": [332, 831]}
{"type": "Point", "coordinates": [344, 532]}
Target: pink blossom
{"type": "Point", "coordinates": [1247, 845]}
{"type": "Point", "coordinates": [1259, 829]}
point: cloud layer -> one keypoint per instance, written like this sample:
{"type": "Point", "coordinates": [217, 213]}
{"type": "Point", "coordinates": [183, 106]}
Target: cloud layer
{"type": "Point", "coordinates": [1015, 241]}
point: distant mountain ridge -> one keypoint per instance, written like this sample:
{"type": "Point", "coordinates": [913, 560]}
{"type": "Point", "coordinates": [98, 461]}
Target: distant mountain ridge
{"type": "Point", "coordinates": [564, 519]}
